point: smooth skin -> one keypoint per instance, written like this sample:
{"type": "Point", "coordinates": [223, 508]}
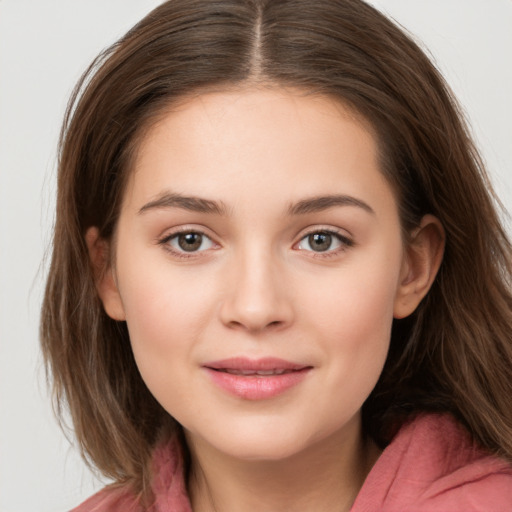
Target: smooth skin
{"type": "Point", "coordinates": [256, 223]}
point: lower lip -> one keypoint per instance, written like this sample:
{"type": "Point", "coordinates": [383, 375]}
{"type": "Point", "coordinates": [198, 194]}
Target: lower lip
{"type": "Point", "coordinates": [260, 387]}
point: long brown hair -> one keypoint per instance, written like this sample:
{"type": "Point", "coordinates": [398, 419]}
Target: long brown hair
{"type": "Point", "coordinates": [454, 354]}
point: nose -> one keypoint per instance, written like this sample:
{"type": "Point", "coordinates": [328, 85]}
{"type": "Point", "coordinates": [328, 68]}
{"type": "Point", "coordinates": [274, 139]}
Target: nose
{"type": "Point", "coordinates": [256, 296]}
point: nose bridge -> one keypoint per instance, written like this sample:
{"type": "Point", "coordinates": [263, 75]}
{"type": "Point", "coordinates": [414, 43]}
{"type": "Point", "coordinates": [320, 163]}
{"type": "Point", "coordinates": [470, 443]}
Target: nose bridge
{"type": "Point", "coordinates": [256, 297]}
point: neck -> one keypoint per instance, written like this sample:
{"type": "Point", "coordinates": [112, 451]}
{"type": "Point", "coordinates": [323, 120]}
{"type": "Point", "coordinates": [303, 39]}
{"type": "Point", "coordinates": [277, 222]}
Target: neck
{"type": "Point", "coordinates": [324, 477]}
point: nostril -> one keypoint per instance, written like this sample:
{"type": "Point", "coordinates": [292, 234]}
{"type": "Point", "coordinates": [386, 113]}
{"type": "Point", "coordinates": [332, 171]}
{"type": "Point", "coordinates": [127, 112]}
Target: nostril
{"type": "Point", "coordinates": [234, 324]}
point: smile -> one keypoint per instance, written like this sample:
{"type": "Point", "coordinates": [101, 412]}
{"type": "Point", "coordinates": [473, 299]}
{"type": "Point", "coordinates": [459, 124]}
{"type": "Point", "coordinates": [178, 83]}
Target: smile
{"type": "Point", "coordinates": [260, 379]}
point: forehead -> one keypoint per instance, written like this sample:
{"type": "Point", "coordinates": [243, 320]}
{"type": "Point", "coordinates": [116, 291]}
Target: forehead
{"type": "Point", "coordinates": [234, 144]}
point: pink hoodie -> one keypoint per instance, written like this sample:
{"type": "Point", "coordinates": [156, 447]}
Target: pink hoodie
{"type": "Point", "coordinates": [430, 466]}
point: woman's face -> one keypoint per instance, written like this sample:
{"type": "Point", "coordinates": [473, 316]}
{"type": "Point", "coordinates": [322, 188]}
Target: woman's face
{"type": "Point", "coordinates": [258, 260]}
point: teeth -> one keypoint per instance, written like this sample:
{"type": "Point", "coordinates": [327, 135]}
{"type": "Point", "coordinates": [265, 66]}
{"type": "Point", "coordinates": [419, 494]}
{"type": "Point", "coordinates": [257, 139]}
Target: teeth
{"type": "Point", "coordinates": [239, 372]}
{"type": "Point", "coordinates": [258, 372]}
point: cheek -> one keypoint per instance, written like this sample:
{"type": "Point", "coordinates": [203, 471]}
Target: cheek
{"type": "Point", "coordinates": [358, 299]}
{"type": "Point", "coordinates": [165, 315]}
{"type": "Point", "coordinates": [164, 324]}
{"type": "Point", "coordinates": [356, 316]}
{"type": "Point", "coordinates": [361, 330]}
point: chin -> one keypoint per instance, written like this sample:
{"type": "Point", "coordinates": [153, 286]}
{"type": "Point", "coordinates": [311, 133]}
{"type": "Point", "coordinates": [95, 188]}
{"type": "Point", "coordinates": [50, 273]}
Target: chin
{"type": "Point", "coordinates": [262, 449]}
{"type": "Point", "coordinates": [265, 440]}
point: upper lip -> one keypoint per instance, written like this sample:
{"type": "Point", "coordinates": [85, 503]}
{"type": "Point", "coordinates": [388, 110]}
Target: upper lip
{"type": "Point", "coordinates": [255, 365]}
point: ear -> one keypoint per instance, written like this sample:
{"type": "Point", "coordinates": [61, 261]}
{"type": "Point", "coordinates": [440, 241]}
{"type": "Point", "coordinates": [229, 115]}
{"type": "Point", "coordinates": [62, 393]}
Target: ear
{"type": "Point", "coordinates": [104, 278]}
{"type": "Point", "coordinates": [422, 259]}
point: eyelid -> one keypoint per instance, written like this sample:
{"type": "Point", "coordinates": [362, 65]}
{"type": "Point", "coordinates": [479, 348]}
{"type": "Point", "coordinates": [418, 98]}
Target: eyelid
{"type": "Point", "coordinates": [181, 230]}
{"type": "Point", "coordinates": [345, 240]}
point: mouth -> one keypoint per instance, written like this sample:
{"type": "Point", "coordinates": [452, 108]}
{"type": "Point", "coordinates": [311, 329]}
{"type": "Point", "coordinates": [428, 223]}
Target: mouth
{"type": "Point", "coordinates": [267, 366]}
{"type": "Point", "coordinates": [256, 379]}
{"type": "Point", "coordinates": [251, 373]}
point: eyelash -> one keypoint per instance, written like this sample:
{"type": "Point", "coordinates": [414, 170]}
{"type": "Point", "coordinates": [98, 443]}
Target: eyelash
{"type": "Point", "coordinates": [345, 243]}
{"type": "Point", "coordinates": [165, 242]}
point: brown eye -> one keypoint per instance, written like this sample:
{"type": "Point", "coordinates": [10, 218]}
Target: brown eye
{"type": "Point", "coordinates": [190, 242]}
{"type": "Point", "coordinates": [324, 241]}
{"type": "Point", "coordinates": [320, 242]}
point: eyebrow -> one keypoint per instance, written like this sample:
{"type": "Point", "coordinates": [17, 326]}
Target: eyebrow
{"type": "Point", "coordinates": [201, 205]}
{"type": "Point", "coordinates": [320, 203]}
{"type": "Point", "coordinates": [191, 203]}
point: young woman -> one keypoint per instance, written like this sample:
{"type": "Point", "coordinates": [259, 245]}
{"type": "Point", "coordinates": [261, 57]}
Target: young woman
{"type": "Point", "coordinates": [279, 279]}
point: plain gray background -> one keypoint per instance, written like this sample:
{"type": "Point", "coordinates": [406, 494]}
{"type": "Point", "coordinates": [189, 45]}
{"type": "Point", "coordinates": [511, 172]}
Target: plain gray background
{"type": "Point", "coordinates": [44, 47]}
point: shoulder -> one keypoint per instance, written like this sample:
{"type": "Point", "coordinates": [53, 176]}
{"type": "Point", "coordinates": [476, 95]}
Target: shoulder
{"type": "Point", "coordinates": [168, 486]}
{"type": "Point", "coordinates": [433, 465]}
{"type": "Point", "coordinates": [111, 499]}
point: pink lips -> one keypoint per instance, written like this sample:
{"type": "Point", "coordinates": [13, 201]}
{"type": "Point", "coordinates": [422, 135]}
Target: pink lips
{"type": "Point", "coordinates": [256, 379]}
